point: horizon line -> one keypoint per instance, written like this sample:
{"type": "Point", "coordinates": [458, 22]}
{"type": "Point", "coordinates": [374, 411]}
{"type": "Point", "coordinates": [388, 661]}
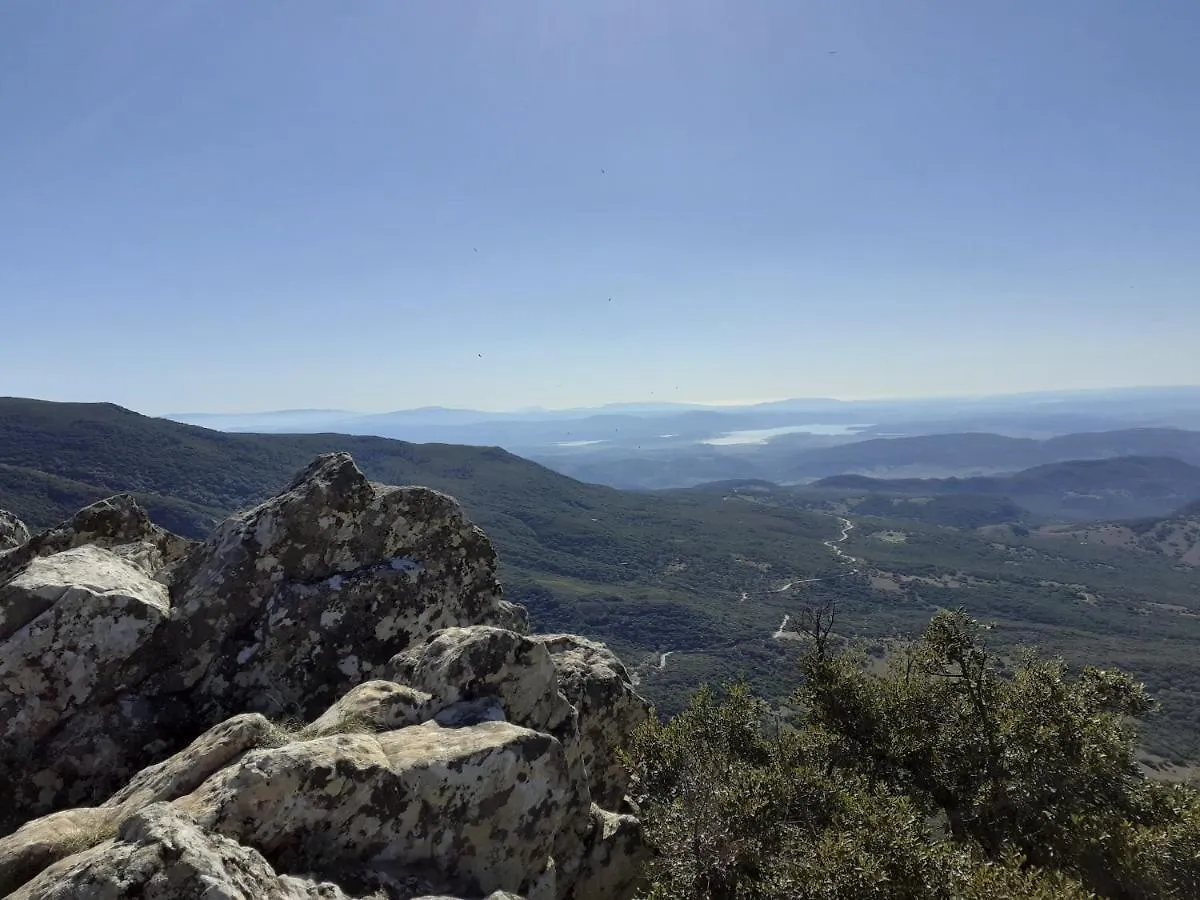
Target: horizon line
{"type": "Point", "coordinates": [707, 404]}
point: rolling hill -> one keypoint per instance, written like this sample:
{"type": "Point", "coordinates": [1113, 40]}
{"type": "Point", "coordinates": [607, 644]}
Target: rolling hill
{"type": "Point", "coordinates": [688, 585]}
{"type": "Point", "coordinates": [1122, 487]}
{"type": "Point", "coordinates": [647, 572]}
{"type": "Point", "coordinates": [802, 458]}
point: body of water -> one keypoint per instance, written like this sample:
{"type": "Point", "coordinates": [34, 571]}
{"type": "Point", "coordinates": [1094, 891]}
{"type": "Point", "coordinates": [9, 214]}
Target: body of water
{"type": "Point", "coordinates": [762, 435]}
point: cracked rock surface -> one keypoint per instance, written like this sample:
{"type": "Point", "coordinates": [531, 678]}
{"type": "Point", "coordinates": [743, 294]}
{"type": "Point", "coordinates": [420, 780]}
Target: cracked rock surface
{"type": "Point", "coordinates": [328, 698]}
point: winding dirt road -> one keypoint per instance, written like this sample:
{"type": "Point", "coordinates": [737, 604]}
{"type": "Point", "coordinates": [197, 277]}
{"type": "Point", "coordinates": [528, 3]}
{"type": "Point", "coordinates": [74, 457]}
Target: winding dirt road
{"type": "Point", "coordinates": [835, 546]}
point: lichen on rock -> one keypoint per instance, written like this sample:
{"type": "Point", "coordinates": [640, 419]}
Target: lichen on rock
{"type": "Point", "coordinates": [13, 532]}
{"type": "Point", "coordinates": [328, 698]}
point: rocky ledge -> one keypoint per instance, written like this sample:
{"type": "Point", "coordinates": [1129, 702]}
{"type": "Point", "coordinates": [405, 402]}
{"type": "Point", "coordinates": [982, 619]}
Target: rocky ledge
{"type": "Point", "coordinates": [328, 698]}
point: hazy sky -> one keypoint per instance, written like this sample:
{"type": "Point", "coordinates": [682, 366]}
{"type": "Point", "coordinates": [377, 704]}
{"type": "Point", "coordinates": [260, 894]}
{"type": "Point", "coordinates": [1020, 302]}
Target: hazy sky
{"type": "Point", "coordinates": [231, 205]}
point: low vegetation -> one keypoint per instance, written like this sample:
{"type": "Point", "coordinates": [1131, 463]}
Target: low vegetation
{"type": "Point", "coordinates": [953, 774]}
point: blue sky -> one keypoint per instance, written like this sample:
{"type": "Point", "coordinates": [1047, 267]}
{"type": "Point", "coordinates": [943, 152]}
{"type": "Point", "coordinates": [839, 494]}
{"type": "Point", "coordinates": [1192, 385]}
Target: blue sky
{"type": "Point", "coordinates": [221, 205]}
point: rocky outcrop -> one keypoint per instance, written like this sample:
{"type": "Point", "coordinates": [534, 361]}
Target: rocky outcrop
{"type": "Point", "coordinates": [161, 853]}
{"type": "Point", "coordinates": [600, 688]}
{"type": "Point", "coordinates": [13, 532]}
{"type": "Point", "coordinates": [117, 523]}
{"type": "Point", "coordinates": [366, 716]}
{"type": "Point", "coordinates": [285, 608]}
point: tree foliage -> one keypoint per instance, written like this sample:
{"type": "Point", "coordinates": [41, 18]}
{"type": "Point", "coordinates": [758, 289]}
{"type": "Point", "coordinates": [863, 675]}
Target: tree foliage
{"type": "Point", "coordinates": [954, 774]}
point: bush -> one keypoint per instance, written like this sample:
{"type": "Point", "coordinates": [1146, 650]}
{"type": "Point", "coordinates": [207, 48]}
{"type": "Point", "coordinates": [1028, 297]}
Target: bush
{"type": "Point", "coordinates": [941, 778]}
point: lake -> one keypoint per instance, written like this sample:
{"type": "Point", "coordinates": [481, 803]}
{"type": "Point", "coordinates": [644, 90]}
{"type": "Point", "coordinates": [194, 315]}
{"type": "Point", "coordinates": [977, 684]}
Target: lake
{"type": "Point", "coordinates": [762, 435]}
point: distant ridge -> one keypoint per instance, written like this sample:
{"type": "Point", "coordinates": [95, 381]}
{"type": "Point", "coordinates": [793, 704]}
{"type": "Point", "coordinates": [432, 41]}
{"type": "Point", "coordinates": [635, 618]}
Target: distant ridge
{"type": "Point", "coordinates": [1116, 487]}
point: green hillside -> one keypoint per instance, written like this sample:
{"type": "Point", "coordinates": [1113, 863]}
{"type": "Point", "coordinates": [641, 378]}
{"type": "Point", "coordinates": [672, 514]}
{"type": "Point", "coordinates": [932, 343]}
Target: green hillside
{"type": "Point", "coordinates": [1113, 488]}
{"type": "Point", "coordinates": [1083, 594]}
{"type": "Point", "coordinates": [647, 572]}
{"type": "Point", "coordinates": [706, 574]}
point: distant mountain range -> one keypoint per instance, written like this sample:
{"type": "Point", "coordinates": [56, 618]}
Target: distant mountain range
{"type": "Point", "coordinates": [663, 425]}
{"type": "Point", "coordinates": [652, 445]}
{"type": "Point", "coordinates": [922, 456]}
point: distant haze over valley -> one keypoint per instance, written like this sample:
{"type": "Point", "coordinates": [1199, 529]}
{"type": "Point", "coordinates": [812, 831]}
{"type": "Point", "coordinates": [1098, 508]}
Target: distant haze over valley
{"type": "Point", "coordinates": [667, 445]}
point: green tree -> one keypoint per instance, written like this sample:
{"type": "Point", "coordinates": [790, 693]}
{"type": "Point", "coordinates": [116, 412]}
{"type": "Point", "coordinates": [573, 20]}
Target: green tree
{"type": "Point", "coordinates": [1036, 762]}
{"type": "Point", "coordinates": [952, 775]}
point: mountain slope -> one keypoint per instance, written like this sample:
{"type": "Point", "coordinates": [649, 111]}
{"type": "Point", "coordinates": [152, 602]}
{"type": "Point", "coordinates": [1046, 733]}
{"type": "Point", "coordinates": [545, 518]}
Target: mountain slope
{"type": "Point", "coordinates": [690, 585]}
{"type": "Point", "coordinates": [647, 572]}
{"type": "Point", "coordinates": [1118, 487]}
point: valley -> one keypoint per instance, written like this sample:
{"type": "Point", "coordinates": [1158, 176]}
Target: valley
{"type": "Point", "coordinates": [693, 585]}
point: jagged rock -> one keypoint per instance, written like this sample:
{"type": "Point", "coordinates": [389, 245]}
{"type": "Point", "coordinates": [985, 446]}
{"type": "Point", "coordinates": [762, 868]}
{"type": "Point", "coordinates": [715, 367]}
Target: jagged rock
{"type": "Point", "coordinates": [13, 532]}
{"type": "Point", "coordinates": [284, 609]}
{"type": "Point", "coordinates": [599, 686]}
{"type": "Point", "coordinates": [290, 604]}
{"type": "Point", "coordinates": [43, 841]}
{"type": "Point", "coordinates": [374, 706]}
{"type": "Point", "coordinates": [112, 523]}
{"type": "Point", "coordinates": [481, 666]}
{"type": "Point", "coordinates": [448, 754]}
{"type": "Point", "coordinates": [481, 804]}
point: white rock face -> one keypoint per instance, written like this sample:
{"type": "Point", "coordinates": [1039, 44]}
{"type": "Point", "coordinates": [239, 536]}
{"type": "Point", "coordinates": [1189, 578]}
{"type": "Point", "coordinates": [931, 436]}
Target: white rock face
{"type": "Point", "coordinates": [13, 532]}
{"type": "Point", "coordinates": [446, 754]}
{"type": "Point", "coordinates": [483, 802]}
{"type": "Point", "coordinates": [600, 688]}
{"type": "Point", "coordinates": [72, 625]}
{"type": "Point", "coordinates": [287, 607]}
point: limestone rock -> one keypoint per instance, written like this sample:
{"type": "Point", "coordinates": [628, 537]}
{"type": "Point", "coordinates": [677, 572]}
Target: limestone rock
{"type": "Point", "coordinates": [160, 854]}
{"type": "Point", "coordinates": [478, 661]}
{"type": "Point", "coordinates": [374, 706]}
{"type": "Point", "coordinates": [13, 532]}
{"type": "Point", "coordinates": [599, 686]}
{"type": "Point", "coordinates": [43, 841]}
{"type": "Point", "coordinates": [74, 626]}
{"type": "Point", "coordinates": [286, 608]}
{"type": "Point", "coordinates": [482, 665]}
{"type": "Point", "coordinates": [292, 603]}
{"type": "Point", "coordinates": [115, 522]}
{"type": "Point", "coordinates": [447, 755]}
{"type": "Point", "coordinates": [483, 804]}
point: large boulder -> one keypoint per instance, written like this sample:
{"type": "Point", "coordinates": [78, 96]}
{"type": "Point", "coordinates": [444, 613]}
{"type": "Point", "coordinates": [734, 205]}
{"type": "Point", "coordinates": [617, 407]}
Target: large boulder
{"type": "Point", "coordinates": [481, 805]}
{"type": "Point", "coordinates": [162, 854]}
{"type": "Point", "coordinates": [282, 611]}
{"type": "Point", "coordinates": [75, 628]}
{"type": "Point", "coordinates": [13, 532]}
{"type": "Point", "coordinates": [290, 604]}
{"type": "Point", "coordinates": [118, 522]}
{"type": "Point", "coordinates": [37, 844]}
{"type": "Point", "coordinates": [419, 744]}
{"type": "Point", "coordinates": [526, 676]}
{"type": "Point", "coordinates": [600, 688]}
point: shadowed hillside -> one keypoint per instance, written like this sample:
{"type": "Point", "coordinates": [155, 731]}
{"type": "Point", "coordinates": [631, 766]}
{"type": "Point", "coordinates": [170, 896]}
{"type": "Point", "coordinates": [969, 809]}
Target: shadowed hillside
{"type": "Point", "coordinates": [1116, 488]}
